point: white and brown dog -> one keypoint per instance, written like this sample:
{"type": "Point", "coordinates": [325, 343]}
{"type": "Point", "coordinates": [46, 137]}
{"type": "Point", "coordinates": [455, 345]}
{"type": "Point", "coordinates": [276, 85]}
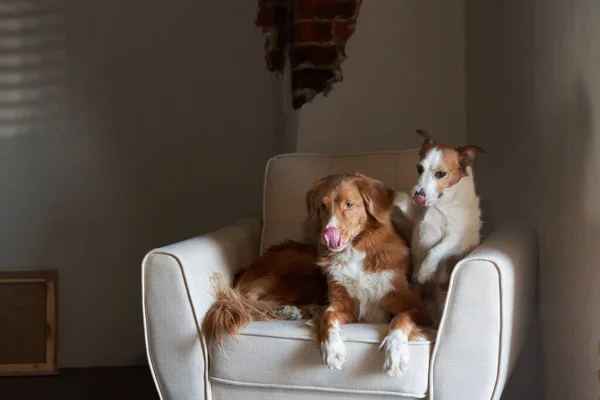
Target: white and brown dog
{"type": "Point", "coordinates": [366, 262]}
{"type": "Point", "coordinates": [444, 212]}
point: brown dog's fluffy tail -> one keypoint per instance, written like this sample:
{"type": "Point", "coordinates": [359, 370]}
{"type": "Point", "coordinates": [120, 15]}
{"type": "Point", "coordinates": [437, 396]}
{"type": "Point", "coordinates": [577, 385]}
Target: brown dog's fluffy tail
{"type": "Point", "coordinates": [231, 312]}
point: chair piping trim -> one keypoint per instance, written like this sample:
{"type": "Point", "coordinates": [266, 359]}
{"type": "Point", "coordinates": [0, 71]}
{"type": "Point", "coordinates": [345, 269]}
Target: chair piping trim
{"type": "Point", "coordinates": [207, 393]}
{"type": "Point", "coordinates": [450, 295]}
{"type": "Point", "coordinates": [314, 388]}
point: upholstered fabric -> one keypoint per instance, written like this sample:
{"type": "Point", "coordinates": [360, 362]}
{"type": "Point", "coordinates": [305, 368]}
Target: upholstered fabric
{"type": "Point", "coordinates": [488, 312]}
{"type": "Point", "coordinates": [176, 295]}
{"type": "Point", "coordinates": [485, 321]}
{"type": "Point", "coordinates": [283, 354]}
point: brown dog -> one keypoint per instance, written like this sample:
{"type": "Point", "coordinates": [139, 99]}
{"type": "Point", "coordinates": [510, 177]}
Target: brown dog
{"type": "Point", "coordinates": [366, 262]}
{"type": "Point", "coordinates": [284, 283]}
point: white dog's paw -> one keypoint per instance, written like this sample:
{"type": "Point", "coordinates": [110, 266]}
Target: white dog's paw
{"type": "Point", "coordinates": [333, 350]}
{"type": "Point", "coordinates": [290, 313]}
{"type": "Point", "coordinates": [423, 276]}
{"type": "Point", "coordinates": [397, 356]}
{"type": "Point", "coordinates": [402, 201]}
{"type": "Point", "coordinates": [425, 273]}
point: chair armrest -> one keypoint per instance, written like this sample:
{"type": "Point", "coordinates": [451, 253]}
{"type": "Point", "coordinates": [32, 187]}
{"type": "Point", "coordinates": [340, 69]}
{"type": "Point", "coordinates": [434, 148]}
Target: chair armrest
{"type": "Point", "coordinates": [488, 312]}
{"type": "Point", "coordinates": [176, 295]}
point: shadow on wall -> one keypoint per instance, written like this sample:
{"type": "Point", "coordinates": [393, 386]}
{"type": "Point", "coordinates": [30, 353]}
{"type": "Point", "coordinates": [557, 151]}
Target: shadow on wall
{"type": "Point", "coordinates": [557, 187]}
{"type": "Point", "coordinates": [171, 118]}
{"type": "Point", "coordinates": [566, 212]}
{"type": "Point", "coordinates": [532, 92]}
{"type": "Point", "coordinates": [500, 118]}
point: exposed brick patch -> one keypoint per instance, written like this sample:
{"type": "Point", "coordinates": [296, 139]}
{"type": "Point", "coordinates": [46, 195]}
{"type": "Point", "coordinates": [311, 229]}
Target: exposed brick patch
{"type": "Point", "coordinates": [312, 34]}
{"type": "Point", "coordinates": [272, 15]}
{"type": "Point", "coordinates": [342, 30]}
{"type": "Point", "coordinates": [299, 100]}
{"type": "Point", "coordinates": [315, 55]}
{"type": "Point", "coordinates": [325, 9]}
{"type": "Point", "coordinates": [275, 60]}
{"type": "Point", "coordinates": [308, 78]}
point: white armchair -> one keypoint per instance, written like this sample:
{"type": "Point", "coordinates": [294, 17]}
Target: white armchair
{"type": "Point", "coordinates": [485, 322]}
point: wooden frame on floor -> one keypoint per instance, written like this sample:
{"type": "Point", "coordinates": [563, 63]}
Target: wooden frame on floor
{"type": "Point", "coordinates": [28, 316]}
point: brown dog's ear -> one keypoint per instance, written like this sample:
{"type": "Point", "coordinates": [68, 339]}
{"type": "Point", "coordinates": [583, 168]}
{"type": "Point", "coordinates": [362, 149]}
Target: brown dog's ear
{"type": "Point", "coordinates": [467, 155]}
{"type": "Point", "coordinates": [311, 198]}
{"type": "Point", "coordinates": [378, 198]}
{"type": "Point", "coordinates": [427, 140]}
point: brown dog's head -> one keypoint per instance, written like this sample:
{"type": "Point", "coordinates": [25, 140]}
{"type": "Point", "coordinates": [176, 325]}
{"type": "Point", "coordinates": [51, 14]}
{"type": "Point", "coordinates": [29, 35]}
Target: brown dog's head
{"type": "Point", "coordinates": [440, 168]}
{"type": "Point", "coordinates": [345, 205]}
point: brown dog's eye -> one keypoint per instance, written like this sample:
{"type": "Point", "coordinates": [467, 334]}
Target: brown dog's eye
{"type": "Point", "coordinates": [349, 205]}
{"type": "Point", "coordinates": [440, 174]}
{"type": "Point", "coordinates": [323, 207]}
{"type": "Point", "coordinates": [419, 169]}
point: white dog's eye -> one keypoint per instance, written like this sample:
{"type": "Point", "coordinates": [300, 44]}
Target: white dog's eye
{"type": "Point", "coordinates": [440, 174]}
{"type": "Point", "coordinates": [419, 169]}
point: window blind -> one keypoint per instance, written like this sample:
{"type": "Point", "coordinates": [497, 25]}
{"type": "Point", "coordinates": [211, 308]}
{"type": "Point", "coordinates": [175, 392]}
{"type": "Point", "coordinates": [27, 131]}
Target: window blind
{"type": "Point", "coordinates": [32, 66]}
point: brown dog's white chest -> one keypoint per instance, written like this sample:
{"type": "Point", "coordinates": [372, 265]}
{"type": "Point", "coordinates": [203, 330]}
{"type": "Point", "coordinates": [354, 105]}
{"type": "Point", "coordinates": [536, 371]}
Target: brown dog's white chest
{"type": "Point", "coordinates": [365, 288]}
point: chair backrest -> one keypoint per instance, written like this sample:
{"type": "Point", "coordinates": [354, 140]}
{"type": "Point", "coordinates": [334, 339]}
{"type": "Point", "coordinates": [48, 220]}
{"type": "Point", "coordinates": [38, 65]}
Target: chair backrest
{"type": "Point", "coordinates": [289, 176]}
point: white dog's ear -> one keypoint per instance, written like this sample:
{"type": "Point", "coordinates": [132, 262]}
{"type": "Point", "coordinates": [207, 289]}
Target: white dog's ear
{"type": "Point", "coordinates": [467, 155]}
{"type": "Point", "coordinates": [428, 141]}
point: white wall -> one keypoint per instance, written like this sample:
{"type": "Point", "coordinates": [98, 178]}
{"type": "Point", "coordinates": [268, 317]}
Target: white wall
{"type": "Point", "coordinates": [405, 70]}
{"type": "Point", "coordinates": [171, 117]}
{"type": "Point", "coordinates": [534, 104]}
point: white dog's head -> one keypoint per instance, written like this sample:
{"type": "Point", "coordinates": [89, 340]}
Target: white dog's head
{"type": "Point", "coordinates": [440, 168]}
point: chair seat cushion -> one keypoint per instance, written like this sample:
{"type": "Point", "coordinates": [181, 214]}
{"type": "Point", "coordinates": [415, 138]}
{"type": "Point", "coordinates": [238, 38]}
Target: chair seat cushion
{"type": "Point", "coordinates": [281, 354]}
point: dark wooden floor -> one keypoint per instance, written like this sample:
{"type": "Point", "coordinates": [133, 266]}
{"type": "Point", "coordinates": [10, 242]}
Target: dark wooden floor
{"type": "Point", "coordinates": [116, 383]}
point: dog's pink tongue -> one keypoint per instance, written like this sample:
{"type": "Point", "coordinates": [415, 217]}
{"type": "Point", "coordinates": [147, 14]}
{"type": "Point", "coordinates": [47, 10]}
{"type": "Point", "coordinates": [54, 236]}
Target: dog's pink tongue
{"type": "Point", "coordinates": [333, 237]}
{"type": "Point", "coordinates": [422, 200]}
